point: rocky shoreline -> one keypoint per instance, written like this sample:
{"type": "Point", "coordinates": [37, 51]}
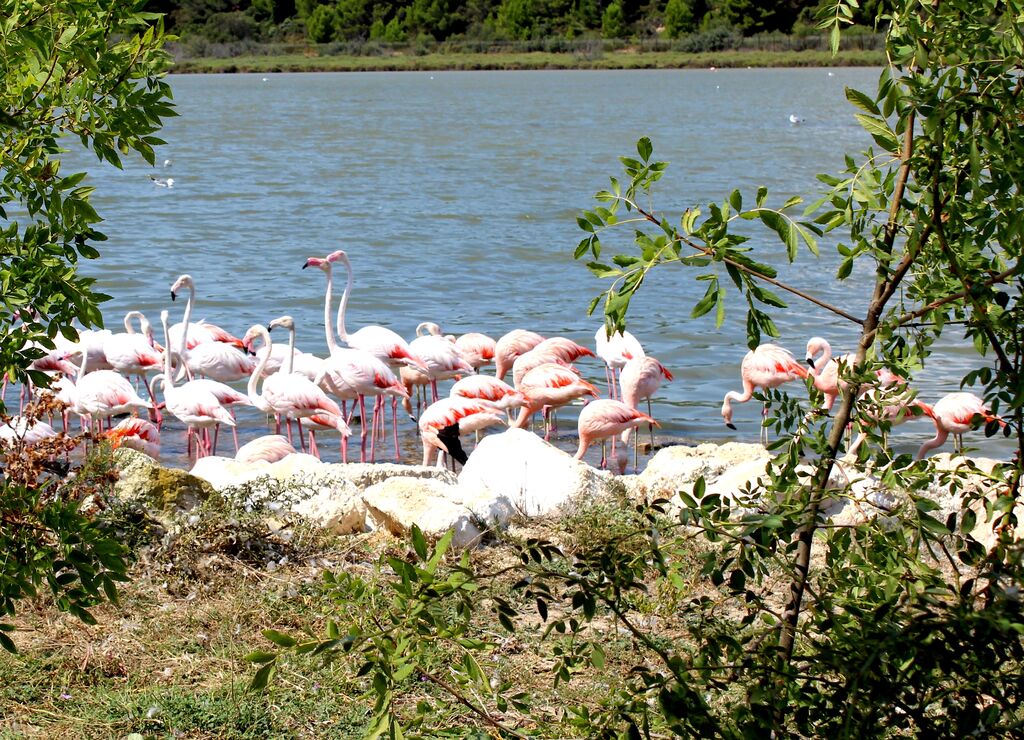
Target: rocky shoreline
{"type": "Point", "coordinates": [512, 476]}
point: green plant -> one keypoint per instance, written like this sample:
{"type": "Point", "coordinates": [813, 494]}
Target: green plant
{"type": "Point", "coordinates": [897, 621]}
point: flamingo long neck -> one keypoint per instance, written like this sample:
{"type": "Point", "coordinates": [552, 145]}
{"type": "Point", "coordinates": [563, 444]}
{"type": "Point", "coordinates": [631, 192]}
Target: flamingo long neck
{"type": "Point", "coordinates": [129, 327]}
{"type": "Point", "coordinates": [821, 362]}
{"type": "Point", "coordinates": [291, 350]}
{"type": "Point", "coordinates": [342, 334]}
{"type": "Point", "coordinates": [85, 358]}
{"type": "Point", "coordinates": [941, 434]}
{"type": "Point", "coordinates": [168, 375]}
{"type": "Point", "coordinates": [251, 389]}
{"type": "Point", "coordinates": [332, 344]}
{"type": "Point", "coordinates": [186, 320]}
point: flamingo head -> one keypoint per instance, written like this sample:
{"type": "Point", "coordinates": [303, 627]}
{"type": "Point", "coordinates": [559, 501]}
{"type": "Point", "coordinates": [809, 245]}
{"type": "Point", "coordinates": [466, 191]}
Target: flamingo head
{"type": "Point", "coordinates": [816, 346]}
{"type": "Point", "coordinates": [727, 415]}
{"type": "Point", "coordinates": [449, 437]}
{"type": "Point", "coordinates": [338, 254]}
{"type": "Point", "coordinates": [285, 322]}
{"type": "Point", "coordinates": [317, 262]}
{"type": "Point", "coordinates": [250, 337]}
{"type": "Point", "coordinates": [184, 281]}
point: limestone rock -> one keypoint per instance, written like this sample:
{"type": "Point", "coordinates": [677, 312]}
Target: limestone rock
{"type": "Point", "coordinates": [399, 502]}
{"type": "Point", "coordinates": [338, 508]}
{"type": "Point", "coordinates": [532, 475]}
{"type": "Point", "coordinates": [223, 473]}
{"type": "Point", "coordinates": [141, 478]}
{"type": "Point", "coordinates": [672, 468]}
{"type": "Point", "coordinates": [364, 475]}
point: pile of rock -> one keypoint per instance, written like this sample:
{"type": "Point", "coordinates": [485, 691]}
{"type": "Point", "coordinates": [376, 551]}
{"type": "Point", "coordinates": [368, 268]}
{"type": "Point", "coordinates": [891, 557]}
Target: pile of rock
{"type": "Point", "coordinates": [513, 475]}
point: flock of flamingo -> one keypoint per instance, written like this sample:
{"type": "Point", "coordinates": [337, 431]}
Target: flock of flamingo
{"type": "Point", "coordinates": [198, 360]}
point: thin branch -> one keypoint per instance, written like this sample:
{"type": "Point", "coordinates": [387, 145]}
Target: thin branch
{"type": "Point", "coordinates": [1000, 278]}
{"type": "Point", "coordinates": [480, 712]}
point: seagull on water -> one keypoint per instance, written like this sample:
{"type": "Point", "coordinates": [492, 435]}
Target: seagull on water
{"type": "Point", "coordinates": [795, 119]}
{"type": "Point", "coordinates": [160, 182]}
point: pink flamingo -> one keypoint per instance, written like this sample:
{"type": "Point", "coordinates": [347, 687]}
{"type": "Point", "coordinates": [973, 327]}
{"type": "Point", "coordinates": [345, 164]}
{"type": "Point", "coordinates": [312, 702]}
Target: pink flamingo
{"type": "Point", "coordinates": [446, 419]}
{"type": "Point", "coordinates": [133, 354]}
{"type": "Point", "coordinates": [605, 418]}
{"type": "Point", "coordinates": [269, 447]}
{"type": "Point", "coordinates": [767, 366]}
{"type": "Point", "coordinates": [19, 430]}
{"type": "Point", "coordinates": [550, 385]}
{"type": "Point", "coordinates": [200, 332]}
{"type": "Point", "coordinates": [639, 380]}
{"type": "Point", "coordinates": [616, 351]}
{"type": "Point", "coordinates": [441, 358]}
{"type": "Point", "coordinates": [510, 346]}
{"type": "Point", "coordinates": [563, 348]}
{"type": "Point", "coordinates": [476, 349]}
{"type": "Point", "coordinates": [289, 394]}
{"type": "Point", "coordinates": [136, 434]}
{"type": "Point", "coordinates": [193, 403]}
{"type": "Point", "coordinates": [487, 388]}
{"type": "Point", "coordinates": [378, 341]}
{"type": "Point", "coordinates": [825, 370]}
{"type": "Point", "coordinates": [891, 403]}
{"type": "Point", "coordinates": [104, 393]}
{"type": "Point", "coordinates": [531, 359]}
{"type": "Point", "coordinates": [955, 414]}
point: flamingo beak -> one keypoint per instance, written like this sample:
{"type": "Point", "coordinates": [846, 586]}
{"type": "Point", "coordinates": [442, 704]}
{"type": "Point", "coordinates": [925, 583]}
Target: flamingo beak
{"type": "Point", "coordinates": [731, 425]}
{"type": "Point", "coordinates": [810, 362]}
{"type": "Point", "coordinates": [173, 296]}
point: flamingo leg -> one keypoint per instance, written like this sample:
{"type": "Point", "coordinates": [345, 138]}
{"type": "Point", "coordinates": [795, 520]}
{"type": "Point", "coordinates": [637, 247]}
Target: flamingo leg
{"type": "Point", "coordinates": [312, 445]}
{"type": "Point", "coordinates": [650, 426]}
{"type": "Point", "coordinates": [394, 426]}
{"type": "Point", "coordinates": [362, 428]}
{"type": "Point", "coordinates": [373, 429]}
{"type": "Point", "coordinates": [433, 390]}
{"type": "Point", "coordinates": [216, 434]}
{"type": "Point", "coordinates": [302, 437]}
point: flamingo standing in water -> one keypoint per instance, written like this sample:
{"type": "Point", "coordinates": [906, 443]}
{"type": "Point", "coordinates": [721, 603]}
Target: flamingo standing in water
{"type": "Point", "coordinates": [766, 366]}
{"type": "Point", "coordinates": [476, 349]}
{"type": "Point", "coordinates": [134, 354]}
{"type": "Point", "coordinates": [640, 379]}
{"type": "Point", "coordinates": [442, 423]}
{"type": "Point", "coordinates": [605, 418]}
{"type": "Point", "coordinates": [490, 389]}
{"type": "Point", "coordinates": [104, 393]}
{"type": "Point", "coordinates": [289, 394]}
{"type": "Point", "coordinates": [352, 374]}
{"type": "Point", "coordinates": [217, 354]}
{"type": "Point", "coordinates": [954, 414]}
{"type": "Point", "coordinates": [192, 403]}
{"type": "Point", "coordinates": [550, 385]}
{"type": "Point", "coordinates": [616, 350]}
{"type": "Point", "coordinates": [382, 343]}
{"type": "Point", "coordinates": [510, 346]}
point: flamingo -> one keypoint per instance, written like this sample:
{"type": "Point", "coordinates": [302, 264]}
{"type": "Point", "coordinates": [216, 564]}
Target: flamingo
{"type": "Point", "coordinates": [490, 389]}
{"type": "Point", "coordinates": [104, 393]}
{"type": "Point", "coordinates": [766, 366]}
{"type": "Point", "coordinates": [136, 434]}
{"type": "Point", "coordinates": [955, 413]}
{"type": "Point", "coordinates": [442, 422]}
{"type": "Point", "coordinates": [825, 370]}
{"type": "Point", "coordinates": [378, 341]}
{"type": "Point", "coordinates": [442, 361]}
{"type": "Point", "coordinates": [531, 359]}
{"type": "Point", "coordinates": [640, 379]}
{"type": "Point", "coordinates": [476, 349]}
{"type": "Point", "coordinates": [510, 346]}
{"type": "Point", "coordinates": [201, 331]}
{"type": "Point", "coordinates": [193, 403]}
{"type": "Point", "coordinates": [892, 403]}
{"type": "Point", "coordinates": [20, 430]}
{"type": "Point", "coordinates": [269, 447]}
{"type": "Point", "coordinates": [616, 350]}
{"type": "Point", "coordinates": [550, 385]}
{"type": "Point", "coordinates": [133, 354]}
{"type": "Point", "coordinates": [289, 394]}
{"type": "Point", "coordinates": [605, 418]}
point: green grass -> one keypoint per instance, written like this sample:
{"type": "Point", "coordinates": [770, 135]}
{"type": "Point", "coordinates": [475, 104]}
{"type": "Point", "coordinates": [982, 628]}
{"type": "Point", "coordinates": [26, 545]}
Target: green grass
{"type": "Point", "coordinates": [530, 60]}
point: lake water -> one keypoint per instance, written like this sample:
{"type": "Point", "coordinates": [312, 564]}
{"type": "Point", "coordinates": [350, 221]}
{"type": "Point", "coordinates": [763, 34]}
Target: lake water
{"type": "Point", "coordinates": [455, 195]}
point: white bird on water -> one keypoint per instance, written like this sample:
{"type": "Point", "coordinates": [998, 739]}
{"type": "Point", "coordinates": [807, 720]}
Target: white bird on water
{"type": "Point", "coordinates": [795, 119]}
{"type": "Point", "coordinates": [160, 182]}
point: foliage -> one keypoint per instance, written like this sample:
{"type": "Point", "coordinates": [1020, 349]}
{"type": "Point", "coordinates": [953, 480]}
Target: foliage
{"type": "Point", "coordinates": [85, 72]}
{"type": "Point", "coordinates": [613, 22]}
{"type": "Point", "coordinates": [896, 621]}
{"type": "Point", "coordinates": [679, 18]}
{"type": "Point", "coordinates": [47, 532]}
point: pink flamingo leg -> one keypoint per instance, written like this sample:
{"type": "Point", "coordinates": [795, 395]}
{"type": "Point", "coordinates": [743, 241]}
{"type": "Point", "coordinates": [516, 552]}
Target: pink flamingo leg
{"type": "Point", "coordinates": [362, 429]}
{"type": "Point", "coordinates": [394, 426]}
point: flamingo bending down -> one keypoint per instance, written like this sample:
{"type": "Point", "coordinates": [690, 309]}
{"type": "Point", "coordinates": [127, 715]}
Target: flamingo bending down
{"type": "Point", "coordinates": [136, 434]}
{"type": "Point", "coordinates": [550, 385]}
{"type": "Point", "coordinates": [639, 380]}
{"type": "Point", "coordinates": [891, 404]}
{"type": "Point", "coordinates": [199, 332]}
{"type": "Point", "coordinates": [134, 354]}
{"type": "Point", "coordinates": [605, 418]}
{"type": "Point", "coordinates": [529, 360]}
{"type": "Point", "coordinates": [289, 394]}
{"type": "Point", "coordinates": [616, 350]}
{"type": "Point", "coordinates": [955, 414]}
{"type": "Point", "coordinates": [766, 366]}
{"type": "Point", "coordinates": [490, 389]}
{"type": "Point", "coordinates": [464, 414]}
{"type": "Point", "coordinates": [269, 447]}
{"type": "Point", "coordinates": [563, 348]}
{"type": "Point", "coordinates": [476, 349]}
{"type": "Point", "coordinates": [510, 346]}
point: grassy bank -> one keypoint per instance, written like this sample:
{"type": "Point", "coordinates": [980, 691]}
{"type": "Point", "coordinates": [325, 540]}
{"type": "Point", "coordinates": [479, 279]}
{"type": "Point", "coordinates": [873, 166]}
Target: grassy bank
{"type": "Point", "coordinates": [529, 60]}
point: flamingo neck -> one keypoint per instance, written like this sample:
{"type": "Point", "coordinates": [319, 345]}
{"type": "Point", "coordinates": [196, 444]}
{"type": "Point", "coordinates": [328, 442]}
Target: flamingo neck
{"type": "Point", "coordinates": [85, 358]}
{"type": "Point", "coordinates": [821, 362]}
{"type": "Point", "coordinates": [168, 375]}
{"type": "Point", "coordinates": [129, 327]}
{"type": "Point", "coordinates": [291, 350]}
{"type": "Point", "coordinates": [251, 389]}
{"type": "Point", "coordinates": [941, 434]}
{"type": "Point", "coordinates": [332, 344]}
{"type": "Point", "coordinates": [186, 320]}
{"type": "Point", "coordinates": [342, 334]}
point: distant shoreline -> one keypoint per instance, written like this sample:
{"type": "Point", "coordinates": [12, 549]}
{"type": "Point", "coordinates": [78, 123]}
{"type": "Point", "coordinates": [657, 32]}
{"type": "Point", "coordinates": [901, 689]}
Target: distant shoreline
{"type": "Point", "coordinates": [527, 61]}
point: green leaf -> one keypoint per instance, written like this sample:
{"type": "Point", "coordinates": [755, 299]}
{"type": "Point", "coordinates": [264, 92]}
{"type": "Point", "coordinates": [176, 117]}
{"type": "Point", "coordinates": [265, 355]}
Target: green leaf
{"type": "Point", "coordinates": [262, 677]}
{"type": "Point", "coordinates": [880, 132]}
{"type": "Point", "coordinates": [260, 656]}
{"type": "Point", "coordinates": [862, 101]}
{"type": "Point", "coordinates": [279, 638]}
{"type": "Point", "coordinates": [7, 643]}
{"type": "Point", "coordinates": [419, 542]}
{"type": "Point", "coordinates": [644, 148]}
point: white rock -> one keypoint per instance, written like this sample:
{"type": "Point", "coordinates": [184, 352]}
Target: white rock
{"type": "Point", "coordinates": [225, 472]}
{"type": "Point", "coordinates": [535, 477]}
{"type": "Point", "coordinates": [295, 463]}
{"type": "Point", "coordinates": [672, 468]}
{"type": "Point", "coordinates": [397, 503]}
{"type": "Point", "coordinates": [338, 507]}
